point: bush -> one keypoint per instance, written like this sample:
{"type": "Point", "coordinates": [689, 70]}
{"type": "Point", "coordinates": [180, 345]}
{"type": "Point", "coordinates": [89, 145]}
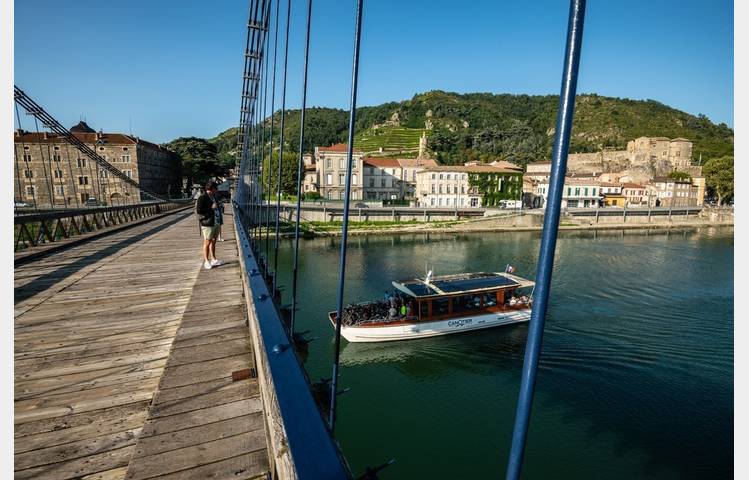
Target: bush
{"type": "Point", "coordinates": [312, 196]}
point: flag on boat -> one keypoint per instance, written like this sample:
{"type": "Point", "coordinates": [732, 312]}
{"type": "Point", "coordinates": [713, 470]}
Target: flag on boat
{"type": "Point", "coordinates": [510, 269]}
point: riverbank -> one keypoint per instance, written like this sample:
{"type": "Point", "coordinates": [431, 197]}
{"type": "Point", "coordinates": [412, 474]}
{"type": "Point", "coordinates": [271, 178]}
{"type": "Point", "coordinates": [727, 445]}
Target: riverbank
{"type": "Point", "coordinates": [333, 229]}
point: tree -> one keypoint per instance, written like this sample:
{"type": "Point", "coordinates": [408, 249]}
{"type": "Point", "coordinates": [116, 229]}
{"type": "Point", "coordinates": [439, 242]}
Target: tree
{"type": "Point", "coordinates": [199, 160]}
{"type": "Point", "coordinates": [288, 173]}
{"type": "Point", "coordinates": [680, 176]}
{"type": "Point", "coordinates": [719, 177]}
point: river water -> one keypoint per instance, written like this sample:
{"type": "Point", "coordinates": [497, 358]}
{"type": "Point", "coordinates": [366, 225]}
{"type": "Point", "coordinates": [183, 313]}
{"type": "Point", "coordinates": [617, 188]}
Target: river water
{"type": "Point", "coordinates": [636, 370]}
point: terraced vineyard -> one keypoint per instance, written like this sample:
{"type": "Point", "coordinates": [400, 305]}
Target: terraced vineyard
{"type": "Point", "coordinates": [390, 139]}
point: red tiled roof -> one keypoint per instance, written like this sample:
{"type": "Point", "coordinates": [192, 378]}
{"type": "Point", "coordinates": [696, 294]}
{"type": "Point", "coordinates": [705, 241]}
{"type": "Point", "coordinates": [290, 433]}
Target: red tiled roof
{"type": "Point", "coordinates": [632, 185]}
{"type": "Point", "coordinates": [338, 147]}
{"type": "Point", "coordinates": [382, 162]}
{"type": "Point", "coordinates": [469, 169]}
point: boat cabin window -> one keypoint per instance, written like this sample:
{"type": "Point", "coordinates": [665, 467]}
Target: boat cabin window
{"type": "Point", "coordinates": [440, 306]}
{"type": "Point", "coordinates": [424, 309]}
{"type": "Point", "coordinates": [490, 299]}
{"type": "Point", "coordinates": [466, 303]}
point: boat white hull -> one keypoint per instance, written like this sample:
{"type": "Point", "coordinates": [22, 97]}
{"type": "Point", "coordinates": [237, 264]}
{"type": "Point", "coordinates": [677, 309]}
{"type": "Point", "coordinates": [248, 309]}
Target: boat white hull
{"type": "Point", "coordinates": [386, 333]}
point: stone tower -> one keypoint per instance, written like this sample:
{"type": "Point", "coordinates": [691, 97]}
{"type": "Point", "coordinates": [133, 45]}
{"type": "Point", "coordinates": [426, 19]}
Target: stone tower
{"type": "Point", "coordinates": [422, 145]}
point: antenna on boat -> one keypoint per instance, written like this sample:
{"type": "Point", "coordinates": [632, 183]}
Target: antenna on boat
{"type": "Point", "coordinates": [428, 278]}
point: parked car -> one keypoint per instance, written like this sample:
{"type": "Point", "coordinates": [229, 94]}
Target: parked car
{"type": "Point", "coordinates": [21, 204]}
{"type": "Point", "coordinates": [361, 205]}
{"type": "Point", "coordinates": [92, 202]}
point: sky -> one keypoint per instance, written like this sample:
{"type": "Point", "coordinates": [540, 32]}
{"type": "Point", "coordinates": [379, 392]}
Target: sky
{"type": "Point", "coordinates": [165, 69]}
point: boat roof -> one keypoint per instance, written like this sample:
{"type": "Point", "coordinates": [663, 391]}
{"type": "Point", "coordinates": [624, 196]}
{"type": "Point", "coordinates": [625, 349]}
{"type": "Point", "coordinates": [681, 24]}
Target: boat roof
{"type": "Point", "coordinates": [461, 283]}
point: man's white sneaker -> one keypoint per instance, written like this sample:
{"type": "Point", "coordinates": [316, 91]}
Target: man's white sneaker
{"type": "Point", "coordinates": [208, 265]}
{"type": "Point", "coordinates": [216, 263]}
{"type": "Point", "coordinates": [220, 239]}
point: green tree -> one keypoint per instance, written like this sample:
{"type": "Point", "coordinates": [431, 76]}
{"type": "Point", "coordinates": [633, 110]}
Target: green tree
{"type": "Point", "coordinates": [288, 173]}
{"type": "Point", "coordinates": [680, 176]}
{"type": "Point", "coordinates": [199, 160]}
{"type": "Point", "coordinates": [719, 177]}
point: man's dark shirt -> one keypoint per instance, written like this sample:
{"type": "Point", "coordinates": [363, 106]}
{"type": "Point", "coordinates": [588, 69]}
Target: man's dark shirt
{"type": "Point", "coordinates": [204, 211]}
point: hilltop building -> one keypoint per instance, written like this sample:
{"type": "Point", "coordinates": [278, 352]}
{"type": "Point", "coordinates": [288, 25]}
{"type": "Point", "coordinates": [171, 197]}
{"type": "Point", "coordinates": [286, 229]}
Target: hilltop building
{"type": "Point", "coordinates": [330, 167]}
{"type": "Point", "coordinates": [51, 172]}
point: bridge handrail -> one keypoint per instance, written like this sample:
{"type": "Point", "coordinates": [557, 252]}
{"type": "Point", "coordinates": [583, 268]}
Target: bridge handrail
{"type": "Point", "coordinates": [56, 214]}
{"type": "Point", "coordinates": [312, 451]}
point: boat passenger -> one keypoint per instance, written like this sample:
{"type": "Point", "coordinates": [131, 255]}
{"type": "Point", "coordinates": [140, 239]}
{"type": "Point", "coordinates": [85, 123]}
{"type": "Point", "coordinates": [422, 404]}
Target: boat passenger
{"type": "Point", "coordinates": [404, 311]}
{"type": "Point", "coordinates": [393, 313]}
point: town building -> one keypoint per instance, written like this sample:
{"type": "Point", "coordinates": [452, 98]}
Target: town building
{"type": "Point", "coordinates": [678, 152]}
{"type": "Point", "coordinates": [612, 195]}
{"type": "Point", "coordinates": [409, 168]}
{"type": "Point", "coordinates": [382, 179]}
{"type": "Point", "coordinates": [330, 165]}
{"type": "Point", "coordinates": [675, 193]}
{"type": "Point", "coordinates": [467, 186]}
{"type": "Point", "coordinates": [49, 171]}
{"type": "Point", "coordinates": [635, 194]}
{"type": "Point", "coordinates": [577, 192]}
{"type": "Point", "coordinates": [310, 182]}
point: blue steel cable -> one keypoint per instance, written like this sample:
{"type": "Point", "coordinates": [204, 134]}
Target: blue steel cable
{"type": "Point", "coordinates": [344, 231]}
{"type": "Point", "coordinates": [270, 146]}
{"type": "Point", "coordinates": [261, 172]}
{"type": "Point", "coordinates": [548, 236]}
{"type": "Point", "coordinates": [300, 175]}
{"type": "Point", "coordinates": [280, 146]}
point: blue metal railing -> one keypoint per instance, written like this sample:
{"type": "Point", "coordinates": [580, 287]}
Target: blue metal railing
{"type": "Point", "coordinates": [310, 445]}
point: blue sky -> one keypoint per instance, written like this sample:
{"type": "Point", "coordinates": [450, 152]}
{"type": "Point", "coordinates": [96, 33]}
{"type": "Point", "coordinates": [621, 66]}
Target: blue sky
{"type": "Point", "coordinates": [173, 68]}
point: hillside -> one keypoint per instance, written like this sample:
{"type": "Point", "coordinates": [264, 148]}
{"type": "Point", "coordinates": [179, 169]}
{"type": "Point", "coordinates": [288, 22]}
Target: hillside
{"type": "Point", "coordinates": [485, 126]}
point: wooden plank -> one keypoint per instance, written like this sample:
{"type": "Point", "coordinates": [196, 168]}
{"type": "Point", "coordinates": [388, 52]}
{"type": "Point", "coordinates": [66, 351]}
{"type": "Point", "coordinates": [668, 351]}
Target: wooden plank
{"type": "Point", "coordinates": [231, 393]}
{"type": "Point", "coordinates": [201, 417]}
{"type": "Point", "coordinates": [80, 467]}
{"type": "Point", "coordinates": [195, 456]}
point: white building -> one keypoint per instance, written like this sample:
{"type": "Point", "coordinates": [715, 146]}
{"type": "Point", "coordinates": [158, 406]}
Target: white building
{"type": "Point", "coordinates": [676, 193]}
{"type": "Point", "coordinates": [577, 192]}
{"type": "Point", "coordinates": [450, 186]}
{"type": "Point", "coordinates": [330, 167]}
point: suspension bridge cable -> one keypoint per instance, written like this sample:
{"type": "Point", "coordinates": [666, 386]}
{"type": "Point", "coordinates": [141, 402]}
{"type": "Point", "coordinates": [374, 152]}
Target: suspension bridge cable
{"type": "Point", "coordinates": [299, 174]}
{"type": "Point", "coordinates": [280, 145]}
{"type": "Point", "coordinates": [344, 230]}
{"type": "Point", "coordinates": [44, 167]}
{"type": "Point", "coordinates": [263, 171]}
{"type": "Point", "coordinates": [270, 147]}
{"type": "Point", "coordinates": [548, 236]}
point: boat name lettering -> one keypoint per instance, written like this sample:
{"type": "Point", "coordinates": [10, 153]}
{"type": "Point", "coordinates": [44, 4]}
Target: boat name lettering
{"type": "Point", "coordinates": [459, 323]}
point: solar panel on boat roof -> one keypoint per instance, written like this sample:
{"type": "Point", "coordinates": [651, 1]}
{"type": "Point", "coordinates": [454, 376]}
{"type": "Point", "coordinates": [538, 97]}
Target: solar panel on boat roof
{"type": "Point", "coordinates": [420, 289]}
{"type": "Point", "coordinates": [460, 285]}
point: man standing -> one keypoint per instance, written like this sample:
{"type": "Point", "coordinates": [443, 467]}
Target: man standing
{"type": "Point", "coordinates": [205, 207]}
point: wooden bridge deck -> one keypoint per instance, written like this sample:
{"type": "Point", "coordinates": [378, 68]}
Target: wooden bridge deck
{"type": "Point", "coordinates": [124, 354]}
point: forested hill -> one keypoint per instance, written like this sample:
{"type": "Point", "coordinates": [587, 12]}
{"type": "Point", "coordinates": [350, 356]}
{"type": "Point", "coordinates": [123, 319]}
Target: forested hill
{"type": "Point", "coordinates": [518, 128]}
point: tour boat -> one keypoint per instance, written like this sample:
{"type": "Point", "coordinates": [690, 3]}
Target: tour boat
{"type": "Point", "coordinates": [439, 306]}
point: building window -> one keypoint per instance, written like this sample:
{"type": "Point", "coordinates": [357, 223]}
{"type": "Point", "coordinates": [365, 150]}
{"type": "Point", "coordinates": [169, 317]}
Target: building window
{"type": "Point", "coordinates": [103, 173]}
{"type": "Point", "coordinates": [124, 149]}
{"type": "Point", "coordinates": [84, 197]}
{"type": "Point", "coordinates": [29, 190]}
{"type": "Point", "coordinates": [413, 176]}
{"type": "Point", "coordinates": [434, 176]}
{"type": "Point", "coordinates": [440, 188]}
{"type": "Point", "coordinates": [128, 173]}
{"type": "Point", "coordinates": [60, 190]}
{"type": "Point", "coordinates": [101, 149]}
{"type": "Point", "coordinates": [586, 191]}
{"type": "Point", "coordinates": [447, 202]}
{"type": "Point", "coordinates": [81, 162]}
{"type": "Point", "coordinates": [569, 191]}
{"type": "Point", "coordinates": [329, 178]}
{"type": "Point", "coordinates": [432, 200]}
{"type": "Point", "coordinates": [28, 174]}
{"type": "Point", "coordinates": [439, 201]}
{"type": "Point", "coordinates": [27, 157]}
{"type": "Point", "coordinates": [341, 179]}
{"type": "Point", "coordinates": [448, 176]}
{"type": "Point", "coordinates": [440, 176]}
{"type": "Point", "coordinates": [353, 179]}
{"type": "Point", "coordinates": [433, 188]}
{"type": "Point", "coordinates": [328, 164]}
{"type": "Point", "coordinates": [56, 158]}
{"type": "Point", "coordinates": [577, 191]}
{"type": "Point", "coordinates": [462, 189]}
{"type": "Point", "coordinates": [58, 173]}
{"type": "Point", "coordinates": [371, 182]}
{"type": "Point", "coordinates": [83, 180]}
{"type": "Point", "coordinates": [340, 164]}
{"type": "Point", "coordinates": [594, 192]}
{"type": "Point", "coordinates": [126, 158]}
{"type": "Point", "coordinates": [56, 148]}
{"type": "Point", "coordinates": [383, 183]}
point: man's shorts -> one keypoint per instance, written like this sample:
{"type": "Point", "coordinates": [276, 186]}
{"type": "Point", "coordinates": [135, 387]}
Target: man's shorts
{"type": "Point", "coordinates": [209, 233]}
